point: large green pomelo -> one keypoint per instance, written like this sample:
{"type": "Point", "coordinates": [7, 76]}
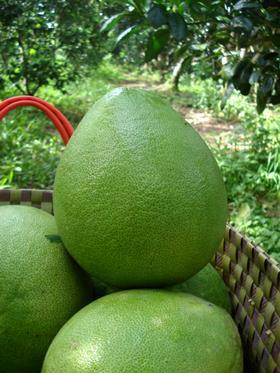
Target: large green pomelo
{"type": "Point", "coordinates": [139, 199]}
{"type": "Point", "coordinates": [41, 287]}
{"type": "Point", "coordinates": [147, 331]}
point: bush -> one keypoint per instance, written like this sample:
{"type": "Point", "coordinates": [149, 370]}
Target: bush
{"type": "Point", "coordinates": [29, 151]}
{"type": "Point", "coordinates": [249, 159]}
{"type": "Point", "coordinates": [250, 163]}
{"type": "Point", "coordinates": [29, 144]}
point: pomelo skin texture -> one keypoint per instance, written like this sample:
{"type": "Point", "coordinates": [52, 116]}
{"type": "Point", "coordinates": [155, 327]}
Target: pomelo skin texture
{"type": "Point", "coordinates": [41, 287]}
{"type": "Point", "coordinates": [139, 199]}
{"type": "Point", "coordinates": [206, 284]}
{"type": "Point", "coordinates": [151, 331]}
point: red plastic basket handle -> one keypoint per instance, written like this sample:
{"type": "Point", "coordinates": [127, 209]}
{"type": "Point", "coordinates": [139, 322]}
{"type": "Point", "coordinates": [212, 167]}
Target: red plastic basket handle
{"type": "Point", "coordinates": [62, 124]}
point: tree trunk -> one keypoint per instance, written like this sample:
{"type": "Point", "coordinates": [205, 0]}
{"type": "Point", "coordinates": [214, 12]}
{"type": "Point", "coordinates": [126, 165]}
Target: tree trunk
{"type": "Point", "coordinates": [162, 76]}
{"type": "Point", "coordinates": [177, 72]}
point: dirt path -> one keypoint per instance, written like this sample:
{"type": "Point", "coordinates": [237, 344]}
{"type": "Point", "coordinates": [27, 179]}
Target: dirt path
{"type": "Point", "coordinates": [206, 124]}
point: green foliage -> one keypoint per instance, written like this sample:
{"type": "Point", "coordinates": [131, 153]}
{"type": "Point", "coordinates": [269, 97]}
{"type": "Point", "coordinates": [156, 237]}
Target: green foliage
{"type": "Point", "coordinates": [239, 40]}
{"type": "Point", "coordinates": [249, 157]}
{"type": "Point", "coordinates": [81, 95]}
{"type": "Point", "coordinates": [156, 43]}
{"type": "Point", "coordinates": [29, 145]}
{"type": "Point", "coordinates": [29, 151]}
{"type": "Point", "coordinates": [47, 41]}
{"type": "Point", "coordinates": [251, 166]}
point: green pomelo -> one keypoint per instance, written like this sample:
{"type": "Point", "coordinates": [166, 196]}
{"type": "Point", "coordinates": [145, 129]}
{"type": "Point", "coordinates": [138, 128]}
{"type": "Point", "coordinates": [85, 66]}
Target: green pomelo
{"type": "Point", "coordinates": [139, 199]}
{"type": "Point", "coordinates": [206, 284]}
{"type": "Point", "coordinates": [41, 287]}
{"type": "Point", "coordinates": [147, 331]}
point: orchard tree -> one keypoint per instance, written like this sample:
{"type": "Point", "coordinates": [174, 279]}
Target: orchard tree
{"type": "Point", "coordinates": [235, 40]}
{"type": "Point", "coordinates": [48, 41]}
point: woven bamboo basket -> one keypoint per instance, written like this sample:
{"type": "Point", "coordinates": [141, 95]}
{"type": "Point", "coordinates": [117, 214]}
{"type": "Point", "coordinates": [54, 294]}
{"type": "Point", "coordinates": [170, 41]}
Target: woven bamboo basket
{"type": "Point", "coordinates": [251, 275]}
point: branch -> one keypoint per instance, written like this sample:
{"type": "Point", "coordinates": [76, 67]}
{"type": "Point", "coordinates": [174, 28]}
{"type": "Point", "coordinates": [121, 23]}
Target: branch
{"type": "Point", "coordinates": [25, 63]}
{"type": "Point", "coordinates": [35, 90]}
{"type": "Point", "coordinates": [20, 88]}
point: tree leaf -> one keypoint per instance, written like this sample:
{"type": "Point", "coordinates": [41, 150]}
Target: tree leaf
{"type": "Point", "coordinates": [267, 85]}
{"type": "Point", "coordinates": [261, 102]}
{"type": "Point", "coordinates": [242, 23]}
{"type": "Point", "coordinates": [277, 86]}
{"type": "Point", "coordinates": [156, 43]}
{"type": "Point", "coordinates": [53, 238]}
{"type": "Point", "coordinates": [264, 92]}
{"type": "Point", "coordinates": [157, 16]}
{"type": "Point", "coordinates": [139, 5]}
{"type": "Point", "coordinates": [271, 3]}
{"type": "Point", "coordinates": [267, 59]}
{"type": "Point", "coordinates": [254, 77]}
{"type": "Point", "coordinates": [244, 88]}
{"type": "Point", "coordinates": [242, 75]}
{"type": "Point", "coordinates": [177, 25]}
{"type": "Point", "coordinates": [239, 67]}
{"type": "Point", "coordinates": [245, 4]}
{"type": "Point", "coordinates": [199, 47]}
{"type": "Point", "coordinates": [112, 22]}
{"type": "Point", "coordinates": [125, 34]}
{"type": "Point", "coordinates": [275, 38]}
{"type": "Point", "coordinates": [275, 99]}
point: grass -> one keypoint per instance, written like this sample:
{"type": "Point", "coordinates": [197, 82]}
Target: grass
{"type": "Point", "coordinates": [248, 156]}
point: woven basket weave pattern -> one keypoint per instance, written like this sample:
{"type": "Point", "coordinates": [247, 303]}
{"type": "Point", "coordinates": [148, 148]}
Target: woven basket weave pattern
{"type": "Point", "coordinates": [251, 275]}
{"type": "Point", "coordinates": [253, 278]}
{"type": "Point", "coordinates": [27, 197]}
